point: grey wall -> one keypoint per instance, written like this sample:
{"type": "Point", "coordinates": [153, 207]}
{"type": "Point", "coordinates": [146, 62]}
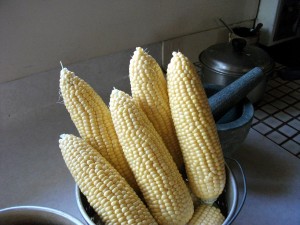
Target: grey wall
{"type": "Point", "coordinates": [37, 34]}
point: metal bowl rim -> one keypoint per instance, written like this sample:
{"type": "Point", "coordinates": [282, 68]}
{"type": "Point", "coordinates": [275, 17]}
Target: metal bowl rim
{"type": "Point", "coordinates": [31, 208]}
{"type": "Point", "coordinates": [231, 212]}
{"type": "Point", "coordinates": [80, 206]}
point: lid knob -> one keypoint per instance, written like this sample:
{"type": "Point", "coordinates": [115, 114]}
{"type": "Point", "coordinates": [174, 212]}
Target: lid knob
{"type": "Point", "coordinates": [238, 44]}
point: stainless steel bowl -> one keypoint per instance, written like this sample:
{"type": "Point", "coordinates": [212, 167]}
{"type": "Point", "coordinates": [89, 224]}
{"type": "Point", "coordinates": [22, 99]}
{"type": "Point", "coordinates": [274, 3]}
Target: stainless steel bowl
{"type": "Point", "coordinates": [35, 215]}
{"type": "Point", "coordinates": [229, 201]}
{"type": "Point", "coordinates": [223, 63]}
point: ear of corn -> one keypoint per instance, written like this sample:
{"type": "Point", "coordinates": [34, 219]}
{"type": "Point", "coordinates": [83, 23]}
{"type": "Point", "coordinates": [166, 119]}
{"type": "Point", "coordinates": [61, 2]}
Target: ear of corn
{"type": "Point", "coordinates": [207, 215]}
{"type": "Point", "coordinates": [149, 90]}
{"type": "Point", "coordinates": [105, 189]}
{"type": "Point", "coordinates": [159, 180]}
{"type": "Point", "coordinates": [196, 130]}
{"type": "Point", "coordinates": [93, 121]}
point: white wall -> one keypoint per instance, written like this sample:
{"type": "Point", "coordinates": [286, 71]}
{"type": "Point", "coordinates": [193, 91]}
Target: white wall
{"type": "Point", "coordinates": [37, 34]}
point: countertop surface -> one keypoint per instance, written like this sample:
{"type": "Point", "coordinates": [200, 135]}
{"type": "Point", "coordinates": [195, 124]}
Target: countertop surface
{"type": "Point", "coordinates": [33, 171]}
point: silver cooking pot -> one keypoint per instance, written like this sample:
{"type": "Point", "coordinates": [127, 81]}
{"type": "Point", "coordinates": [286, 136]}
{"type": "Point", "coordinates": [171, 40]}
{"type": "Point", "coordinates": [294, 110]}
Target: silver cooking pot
{"type": "Point", "coordinates": [225, 62]}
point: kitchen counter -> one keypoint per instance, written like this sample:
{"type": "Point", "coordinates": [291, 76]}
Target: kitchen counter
{"type": "Point", "coordinates": [272, 181]}
{"type": "Point", "coordinates": [32, 170]}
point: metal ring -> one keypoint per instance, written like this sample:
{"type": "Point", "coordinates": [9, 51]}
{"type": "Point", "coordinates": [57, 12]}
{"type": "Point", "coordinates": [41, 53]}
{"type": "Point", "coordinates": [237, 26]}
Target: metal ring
{"type": "Point", "coordinates": [240, 206]}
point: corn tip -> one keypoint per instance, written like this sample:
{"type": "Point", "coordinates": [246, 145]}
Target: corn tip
{"type": "Point", "coordinates": [65, 73]}
{"type": "Point", "coordinates": [139, 49]}
{"type": "Point", "coordinates": [63, 136]}
{"type": "Point", "coordinates": [174, 54]}
{"type": "Point", "coordinates": [138, 52]}
{"type": "Point", "coordinates": [115, 91]}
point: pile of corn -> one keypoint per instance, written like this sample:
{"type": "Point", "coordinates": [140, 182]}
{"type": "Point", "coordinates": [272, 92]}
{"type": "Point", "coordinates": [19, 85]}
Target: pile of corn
{"type": "Point", "coordinates": [130, 157]}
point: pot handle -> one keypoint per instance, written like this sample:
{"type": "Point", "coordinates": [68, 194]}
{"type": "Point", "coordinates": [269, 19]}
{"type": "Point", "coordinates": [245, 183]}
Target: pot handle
{"type": "Point", "coordinates": [242, 176]}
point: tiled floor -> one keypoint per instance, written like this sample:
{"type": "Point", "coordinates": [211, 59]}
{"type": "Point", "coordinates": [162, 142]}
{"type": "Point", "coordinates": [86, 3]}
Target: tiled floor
{"type": "Point", "coordinates": [277, 116]}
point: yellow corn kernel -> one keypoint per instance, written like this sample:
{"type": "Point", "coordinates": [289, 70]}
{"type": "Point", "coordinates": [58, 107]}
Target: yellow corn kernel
{"type": "Point", "coordinates": [196, 129]}
{"type": "Point", "coordinates": [149, 90]}
{"type": "Point", "coordinates": [92, 119]}
{"type": "Point", "coordinates": [105, 189]}
{"type": "Point", "coordinates": [158, 178]}
{"type": "Point", "coordinates": [207, 215]}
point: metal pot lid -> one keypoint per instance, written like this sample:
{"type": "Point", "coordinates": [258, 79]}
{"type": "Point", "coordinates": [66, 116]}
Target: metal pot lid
{"type": "Point", "coordinates": [235, 58]}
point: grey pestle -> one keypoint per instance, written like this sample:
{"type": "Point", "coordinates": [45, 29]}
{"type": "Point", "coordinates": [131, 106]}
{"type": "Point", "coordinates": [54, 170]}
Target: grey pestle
{"type": "Point", "coordinates": [233, 93]}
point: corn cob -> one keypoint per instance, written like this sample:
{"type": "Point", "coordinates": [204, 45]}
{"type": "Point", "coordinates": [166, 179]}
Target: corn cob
{"type": "Point", "coordinates": [158, 178]}
{"type": "Point", "coordinates": [196, 129]}
{"type": "Point", "coordinates": [93, 121]}
{"type": "Point", "coordinates": [105, 189]}
{"type": "Point", "coordinates": [149, 90]}
{"type": "Point", "coordinates": [207, 215]}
